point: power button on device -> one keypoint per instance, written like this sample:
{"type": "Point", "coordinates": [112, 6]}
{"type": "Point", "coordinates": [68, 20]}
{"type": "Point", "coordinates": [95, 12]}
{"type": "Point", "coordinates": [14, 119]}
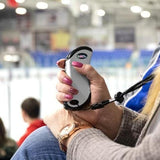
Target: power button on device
{"type": "Point", "coordinates": [74, 102]}
{"type": "Point", "coordinates": [82, 56]}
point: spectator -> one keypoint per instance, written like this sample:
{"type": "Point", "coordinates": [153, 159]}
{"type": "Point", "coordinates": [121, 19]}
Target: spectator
{"type": "Point", "coordinates": [8, 146]}
{"type": "Point", "coordinates": [112, 132]}
{"type": "Point", "coordinates": [30, 113]}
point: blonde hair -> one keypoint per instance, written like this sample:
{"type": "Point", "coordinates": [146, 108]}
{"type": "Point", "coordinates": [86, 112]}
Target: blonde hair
{"type": "Point", "coordinates": [153, 93]}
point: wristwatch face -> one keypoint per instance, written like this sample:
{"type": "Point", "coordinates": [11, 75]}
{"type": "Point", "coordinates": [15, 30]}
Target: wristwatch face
{"type": "Point", "coordinates": [65, 131]}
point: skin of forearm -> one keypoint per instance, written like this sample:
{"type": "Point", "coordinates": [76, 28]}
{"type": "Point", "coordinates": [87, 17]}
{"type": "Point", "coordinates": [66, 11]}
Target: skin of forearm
{"type": "Point", "coordinates": [110, 120]}
{"type": "Point", "coordinates": [108, 124]}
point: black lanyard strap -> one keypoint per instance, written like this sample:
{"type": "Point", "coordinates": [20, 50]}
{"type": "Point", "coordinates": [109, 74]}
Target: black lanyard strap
{"type": "Point", "coordinates": [119, 97]}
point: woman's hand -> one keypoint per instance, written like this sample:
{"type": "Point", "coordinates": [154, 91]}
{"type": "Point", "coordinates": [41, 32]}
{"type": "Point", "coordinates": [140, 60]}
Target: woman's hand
{"type": "Point", "coordinates": [107, 119]}
{"type": "Point", "coordinates": [99, 90]}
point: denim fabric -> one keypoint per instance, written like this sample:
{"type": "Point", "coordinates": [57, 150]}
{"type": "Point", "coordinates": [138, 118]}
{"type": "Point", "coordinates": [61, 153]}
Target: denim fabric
{"type": "Point", "coordinates": [40, 145]}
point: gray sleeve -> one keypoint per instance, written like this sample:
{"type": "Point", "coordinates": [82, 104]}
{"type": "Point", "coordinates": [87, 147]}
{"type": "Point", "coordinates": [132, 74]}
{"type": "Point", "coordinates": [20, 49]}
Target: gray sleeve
{"type": "Point", "coordinates": [131, 127]}
{"type": "Point", "coordinates": [92, 144]}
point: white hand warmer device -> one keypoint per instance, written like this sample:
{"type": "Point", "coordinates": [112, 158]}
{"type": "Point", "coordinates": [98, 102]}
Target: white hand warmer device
{"type": "Point", "coordinates": [81, 54]}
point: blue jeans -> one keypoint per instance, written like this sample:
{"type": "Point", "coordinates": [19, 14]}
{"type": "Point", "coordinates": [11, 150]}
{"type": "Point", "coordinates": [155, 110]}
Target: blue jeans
{"type": "Point", "coordinates": [40, 145]}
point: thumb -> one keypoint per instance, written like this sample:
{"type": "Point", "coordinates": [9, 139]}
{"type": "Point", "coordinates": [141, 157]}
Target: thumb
{"type": "Point", "coordinates": [86, 70]}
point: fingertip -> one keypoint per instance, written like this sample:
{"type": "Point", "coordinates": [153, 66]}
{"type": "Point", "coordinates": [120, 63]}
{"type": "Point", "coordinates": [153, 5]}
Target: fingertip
{"type": "Point", "coordinates": [66, 80]}
{"type": "Point", "coordinates": [69, 96]}
{"type": "Point", "coordinates": [77, 64]}
{"type": "Point", "coordinates": [61, 63]}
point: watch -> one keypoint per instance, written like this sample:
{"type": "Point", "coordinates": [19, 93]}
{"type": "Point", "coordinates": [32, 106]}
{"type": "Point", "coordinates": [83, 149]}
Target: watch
{"type": "Point", "coordinates": [67, 131]}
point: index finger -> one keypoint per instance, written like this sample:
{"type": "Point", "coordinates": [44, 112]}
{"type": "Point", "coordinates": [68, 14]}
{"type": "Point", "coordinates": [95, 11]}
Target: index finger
{"type": "Point", "coordinates": [61, 63]}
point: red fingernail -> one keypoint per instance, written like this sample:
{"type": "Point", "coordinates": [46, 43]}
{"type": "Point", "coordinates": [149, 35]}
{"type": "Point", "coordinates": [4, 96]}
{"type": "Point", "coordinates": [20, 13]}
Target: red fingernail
{"type": "Point", "coordinates": [67, 80]}
{"type": "Point", "coordinates": [77, 64]}
{"type": "Point", "coordinates": [73, 91]}
{"type": "Point", "coordinates": [68, 96]}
